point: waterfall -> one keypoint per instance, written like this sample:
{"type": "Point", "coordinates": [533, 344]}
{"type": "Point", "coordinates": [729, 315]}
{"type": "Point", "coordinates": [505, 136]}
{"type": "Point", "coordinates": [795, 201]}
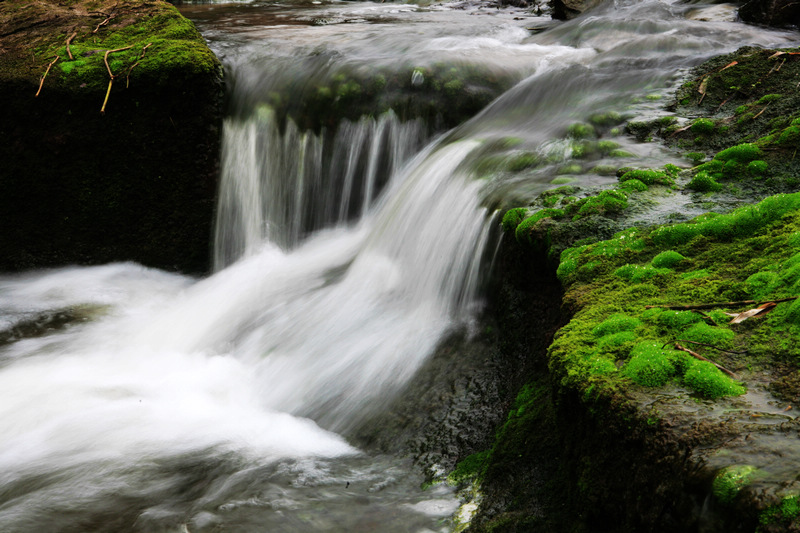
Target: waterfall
{"type": "Point", "coordinates": [343, 256]}
{"type": "Point", "coordinates": [280, 184]}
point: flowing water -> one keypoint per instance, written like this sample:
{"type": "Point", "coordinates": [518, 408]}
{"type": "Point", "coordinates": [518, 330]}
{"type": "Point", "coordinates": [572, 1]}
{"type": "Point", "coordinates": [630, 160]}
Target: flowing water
{"type": "Point", "coordinates": [140, 400]}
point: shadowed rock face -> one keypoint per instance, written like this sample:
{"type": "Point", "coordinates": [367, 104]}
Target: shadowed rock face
{"type": "Point", "coordinates": [135, 182]}
{"type": "Point", "coordinates": [569, 9]}
{"type": "Point", "coordinates": [778, 13]}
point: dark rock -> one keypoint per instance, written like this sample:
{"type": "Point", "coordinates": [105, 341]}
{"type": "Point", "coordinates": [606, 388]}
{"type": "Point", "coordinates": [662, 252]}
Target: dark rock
{"type": "Point", "coordinates": [135, 183]}
{"type": "Point", "coordinates": [778, 13]}
{"type": "Point", "coordinates": [569, 9]}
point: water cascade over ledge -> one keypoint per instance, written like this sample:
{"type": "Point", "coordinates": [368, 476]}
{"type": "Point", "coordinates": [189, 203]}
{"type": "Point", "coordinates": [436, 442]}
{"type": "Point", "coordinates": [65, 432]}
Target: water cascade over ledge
{"type": "Point", "coordinates": [344, 254]}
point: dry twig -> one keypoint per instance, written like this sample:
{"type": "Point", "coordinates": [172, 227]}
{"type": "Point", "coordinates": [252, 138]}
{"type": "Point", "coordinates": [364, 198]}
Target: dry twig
{"type": "Point", "coordinates": [719, 304]}
{"type": "Point", "coordinates": [69, 40]}
{"type": "Point", "coordinates": [41, 82]}
{"type": "Point", "coordinates": [711, 346]}
{"type": "Point", "coordinates": [110, 74]}
{"type": "Point", "coordinates": [698, 356]}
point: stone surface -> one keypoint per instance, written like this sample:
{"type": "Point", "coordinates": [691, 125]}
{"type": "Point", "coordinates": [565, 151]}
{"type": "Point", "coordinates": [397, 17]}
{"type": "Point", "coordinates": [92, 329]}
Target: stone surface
{"type": "Point", "coordinates": [136, 182]}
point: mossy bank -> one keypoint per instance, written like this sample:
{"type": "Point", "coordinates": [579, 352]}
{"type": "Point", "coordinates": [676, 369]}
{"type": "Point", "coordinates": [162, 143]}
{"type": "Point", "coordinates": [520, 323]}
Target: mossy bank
{"type": "Point", "coordinates": [96, 170]}
{"type": "Point", "coordinates": [669, 395]}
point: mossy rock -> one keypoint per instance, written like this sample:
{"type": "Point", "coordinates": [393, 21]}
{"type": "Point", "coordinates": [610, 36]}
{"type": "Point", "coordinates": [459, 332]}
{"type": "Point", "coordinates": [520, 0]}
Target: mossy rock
{"type": "Point", "coordinates": [135, 183]}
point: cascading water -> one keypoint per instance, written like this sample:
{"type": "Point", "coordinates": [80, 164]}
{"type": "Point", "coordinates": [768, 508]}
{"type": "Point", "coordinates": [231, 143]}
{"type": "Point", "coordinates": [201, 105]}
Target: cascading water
{"type": "Point", "coordinates": [344, 254]}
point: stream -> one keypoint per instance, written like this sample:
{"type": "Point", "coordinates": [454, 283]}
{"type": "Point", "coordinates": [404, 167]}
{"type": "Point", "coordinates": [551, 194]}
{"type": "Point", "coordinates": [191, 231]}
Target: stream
{"type": "Point", "coordinates": [345, 250]}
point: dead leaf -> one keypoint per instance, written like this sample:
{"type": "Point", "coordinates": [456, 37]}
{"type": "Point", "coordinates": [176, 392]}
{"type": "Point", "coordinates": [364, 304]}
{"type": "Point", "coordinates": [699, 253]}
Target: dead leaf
{"type": "Point", "coordinates": [776, 54]}
{"type": "Point", "coordinates": [729, 65]}
{"type": "Point", "coordinates": [702, 89]}
{"type": "Point", "coordinates": [760, 310]}
{"type": "Point", "coordinates": [703, 86]}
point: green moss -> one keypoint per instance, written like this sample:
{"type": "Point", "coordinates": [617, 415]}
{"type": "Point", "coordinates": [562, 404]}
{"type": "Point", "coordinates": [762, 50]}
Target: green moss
{"type": "Point", "coordinates": [573, 168]}
{"type": "Point", "coordinates": [614, 341]}
{"type": "Point", "coordinates": [453, 87]}
{"type": "Point", "coordinates": [469, 469]}
{"type": "Point", "coordinates": [633, 185]}
{"type": "Point", "coordinates": [767, 98]}
{"type": "Point", "coordinates": [648, 177]}
{"type": "Point", "coordinates": [702, 126]}
{"type": "Point", "coordinates": [524, 229]}
{"type": "Point", "coordinates": [523, 161]}
{"type": "Point", "coordinates": [638, 273]}
{"type": "Point", "coordinates": [703, 333]}
{"type": "Point", "coordinates": [605, 170]}
{"type": "Point", "coordinates": [730, 481]}
{"type": "Point", "coordinates": [580, 130]}
{"type": "Point", "coordinates": [757, 167]}
{"type": "Point", "coordinates": [760, 283]}
{"type": "Point", "coordinates": [709, 382]}
{"type": "Point", "coordinates": [790, 136]}
{"type": "Point", "coordinates": [649, 365]}
{"type": "Point", "coordinates": [676, 320]}
{"type": "Point", "coordinates": [620, 154]}
{"type": "Point", "coordinates": [667, 259]}
{"type": "Point", "coordinates": [784, 512]}
{"type": "Point", "coordinates": [703, 182]}
{"type": "Point", "coordinates": [513, 217]}
{"type": "Point", "coordinates": [607, 202]}
{"type": "Point", "coordinates": [793, 313]}
{"type": "Point", "coordinates": [616, 323]}
{"type": "Point", "coordinates": [743, 153]}
{"type": "Point", "coordinates": [605, 120]}
{"type": "Point", "coordinates": [695, 157]}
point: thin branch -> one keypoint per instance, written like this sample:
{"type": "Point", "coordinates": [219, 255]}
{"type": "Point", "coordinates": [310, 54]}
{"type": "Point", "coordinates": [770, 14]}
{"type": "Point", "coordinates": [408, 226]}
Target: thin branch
{"type": "Point", "coordinates": [108, 92]}
{"type": "Point", "coordinates": [698, 356]}
{"type": "Point", "coordinates": [41, 82]}
{"type": "Point", "coordinates": [128, 76]}
{"type": "Point", "coordinates": [718, 305]}
{"type": "Point", "coordinates": [130, 69]}
{"type": "Point", "coordinates": [110, 75]}
{"type": "Point", "coordinates": [105, 58]}
{"type": "Point", "coordinates": [104, 23]}
{"type": "Point", "coordinates": [705, 316]}
{"type": "Point", "coordinates": [711, 346]}
{"type": "Point", "coordinates": [760, 112]}
{"type": "Point", "coordinates": [69, 40]}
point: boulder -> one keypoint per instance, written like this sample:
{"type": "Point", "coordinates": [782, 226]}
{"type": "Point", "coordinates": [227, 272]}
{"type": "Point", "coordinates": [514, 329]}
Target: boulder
{"type": "Point", "coordinates": [110, 135]}
{"type": "Point", "coordinates": [778, 13]}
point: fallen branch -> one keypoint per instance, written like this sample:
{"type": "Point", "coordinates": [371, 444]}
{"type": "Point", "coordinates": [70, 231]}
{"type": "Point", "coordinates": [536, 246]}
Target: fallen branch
{"type": "Point", "coordinates": [110, 74]}
{"type": "Point", "coordinates": [698, 356]}
{"type": "Point", "coordinates": [69, 40]}
{"type": "Point", "coordinates": [717, 305]}
{"type": "Point", "coordinates": [41, 82]}
{"type": "Point", "coordinates": [705, 316]}
{"type": "Point", "coordinates": [760, 112]}
{"type": "Point", "coordinates": [105, 58]}
{"type": "Point", "coordinates": [712, 346]}
{"type": "Point", "coordinates": [108, 92]}
{"type": "Point", "coordinates": [103, 23]}
{"type": "Point", "coordinates": [128, 75]}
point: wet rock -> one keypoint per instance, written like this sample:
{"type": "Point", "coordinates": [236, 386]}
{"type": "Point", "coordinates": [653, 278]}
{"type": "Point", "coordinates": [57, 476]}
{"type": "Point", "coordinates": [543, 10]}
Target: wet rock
{"type": "Point", "coordinates": [569, 9]}
{"type": "Point", "coordinates": [136, 181]}
{"type": "Point", "coordinates": [778, 13]}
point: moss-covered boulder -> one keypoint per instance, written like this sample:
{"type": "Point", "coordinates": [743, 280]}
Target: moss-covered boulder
{"type": "Point", "coordinates": [110, 134]}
